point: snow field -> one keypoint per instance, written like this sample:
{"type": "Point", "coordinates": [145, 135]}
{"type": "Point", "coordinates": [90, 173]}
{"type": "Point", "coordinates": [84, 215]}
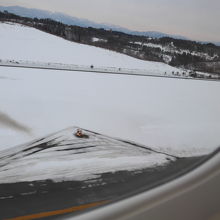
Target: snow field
{"type": "Point", "coordinates": [180, 116]}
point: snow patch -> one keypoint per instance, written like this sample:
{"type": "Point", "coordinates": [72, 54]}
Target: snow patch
{"type": "Point", "coordinates": [95, 39]}
{"type": "Point", "coordinates": [63, 156]}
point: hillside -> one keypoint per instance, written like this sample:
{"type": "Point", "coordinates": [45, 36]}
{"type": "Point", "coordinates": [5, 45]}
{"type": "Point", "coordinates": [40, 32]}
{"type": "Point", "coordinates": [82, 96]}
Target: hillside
{"type": "Point", "coordinates": [179, 53]}
{"type": "Point", "coordinates": [31, 44]}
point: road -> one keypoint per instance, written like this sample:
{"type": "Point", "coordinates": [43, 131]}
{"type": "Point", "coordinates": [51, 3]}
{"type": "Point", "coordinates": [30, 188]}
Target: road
{"type": "Point", "coordinates": [102, 70]}
{"type": "Point", "coordinates": [40, 199]}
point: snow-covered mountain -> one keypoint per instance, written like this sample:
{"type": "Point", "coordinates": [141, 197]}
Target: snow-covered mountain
{"type": "Point", "coordinates": [71, 20]}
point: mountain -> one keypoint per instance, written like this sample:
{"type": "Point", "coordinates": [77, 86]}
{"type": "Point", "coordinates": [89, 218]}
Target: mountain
{"type": "Point", "coordinates": [156, 34]}
{"type": "Point", "coordinates": [36, 13]}
{"type": "Point", "coordinates": [71, 20]}
{"type": "Point", "coordinates": [207, 42]}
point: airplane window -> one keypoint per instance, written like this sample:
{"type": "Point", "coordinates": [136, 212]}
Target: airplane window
{"type": "Point", "coordinates": [103, 100]}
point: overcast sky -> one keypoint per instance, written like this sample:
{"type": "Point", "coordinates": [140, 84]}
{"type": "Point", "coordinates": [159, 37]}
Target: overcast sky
{"type": "Point", "coordinates": [195, 19]}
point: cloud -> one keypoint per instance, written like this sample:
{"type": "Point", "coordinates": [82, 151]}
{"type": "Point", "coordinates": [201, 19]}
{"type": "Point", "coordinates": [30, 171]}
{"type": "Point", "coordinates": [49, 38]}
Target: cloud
{"type": "Point", "coordinates": [7, 121]}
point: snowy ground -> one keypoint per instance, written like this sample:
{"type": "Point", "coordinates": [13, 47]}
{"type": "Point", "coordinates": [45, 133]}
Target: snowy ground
{"type": "Point", "coordinates": [178, 116]}
{"type": "Point", "coordinates": [87, 68]}
{"type": "Point", "coordinates": [63, 156]}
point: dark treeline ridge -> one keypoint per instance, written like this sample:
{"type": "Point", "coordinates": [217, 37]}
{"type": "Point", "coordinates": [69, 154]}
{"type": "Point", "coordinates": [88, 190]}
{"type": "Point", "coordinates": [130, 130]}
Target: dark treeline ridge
{"type": "Point", "coordinates": [180, 53]}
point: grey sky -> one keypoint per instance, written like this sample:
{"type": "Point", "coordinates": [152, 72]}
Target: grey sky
{"type": "Point", "coordinates": [196, 19]}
